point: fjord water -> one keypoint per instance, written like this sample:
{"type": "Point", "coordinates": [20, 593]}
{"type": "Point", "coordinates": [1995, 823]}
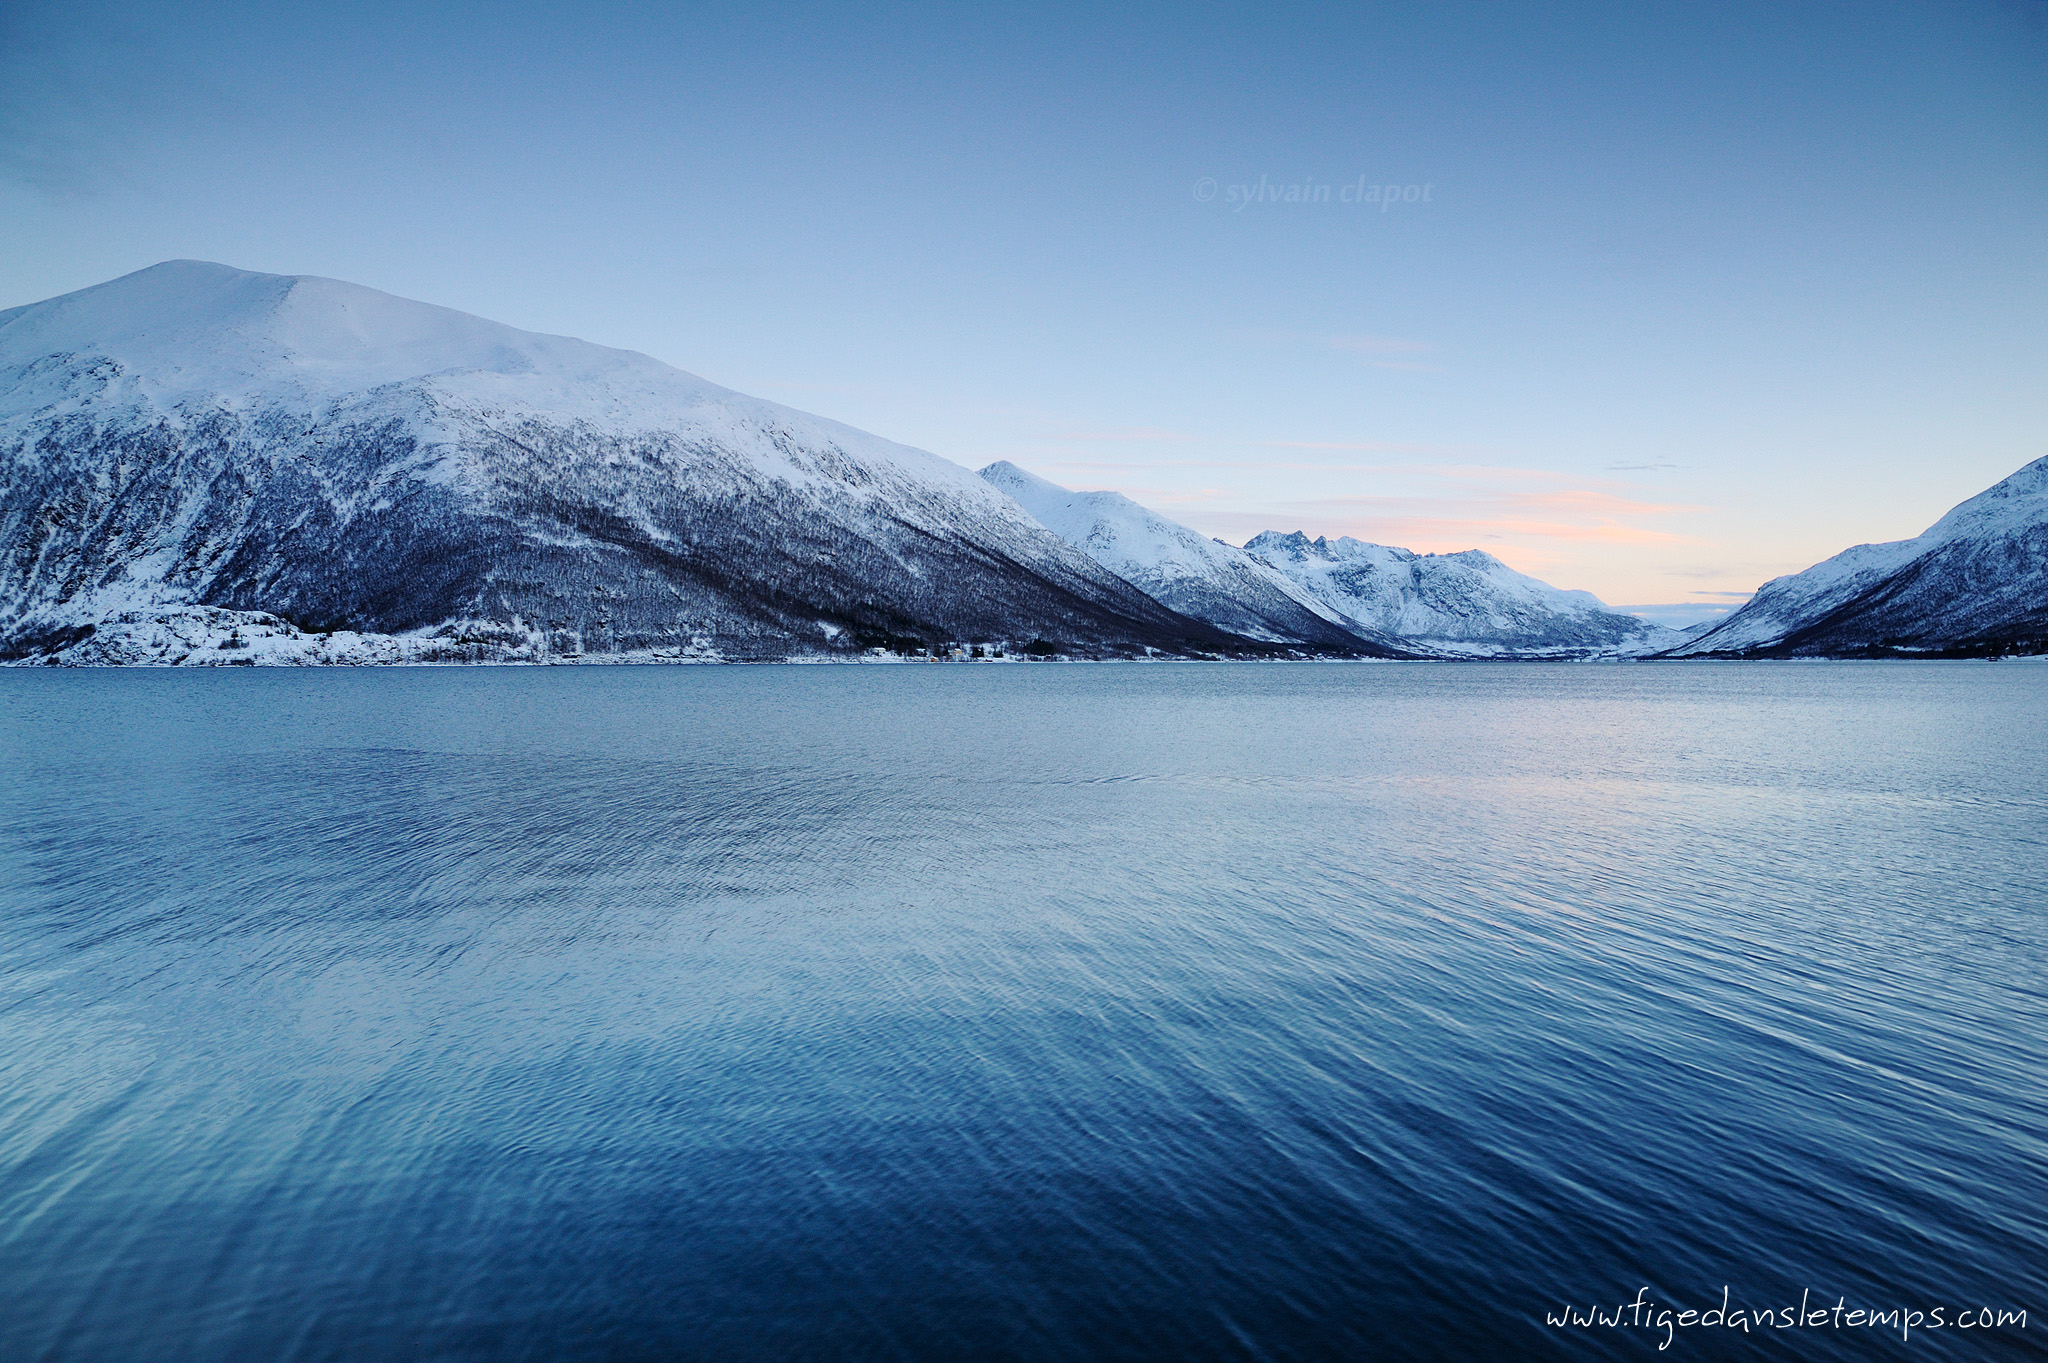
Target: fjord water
{"type": "Point", "coordinates": [1018, 1012]}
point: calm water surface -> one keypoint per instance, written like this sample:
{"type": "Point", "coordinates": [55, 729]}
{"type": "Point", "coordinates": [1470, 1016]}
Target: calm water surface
{"type": "Point", "coordinates": [1008, 1012]}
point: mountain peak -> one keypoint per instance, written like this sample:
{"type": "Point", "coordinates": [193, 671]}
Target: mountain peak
{"type": "Point", "coordinates": [1012, 479]}
{"type": "Point", "coordinates": [1290, 544]}
{"type": "Point", "coordinates": [2018, 499]}
{"type": "Point", "coordinates": [197, 328]}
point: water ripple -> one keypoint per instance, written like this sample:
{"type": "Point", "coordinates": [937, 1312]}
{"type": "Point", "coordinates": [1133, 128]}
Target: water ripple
{"type": "Point", "coordinates": [1169, 1012]}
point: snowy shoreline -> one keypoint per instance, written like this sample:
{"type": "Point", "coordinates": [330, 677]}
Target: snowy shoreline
{"type": "Point", "coordinates": [211, 636]}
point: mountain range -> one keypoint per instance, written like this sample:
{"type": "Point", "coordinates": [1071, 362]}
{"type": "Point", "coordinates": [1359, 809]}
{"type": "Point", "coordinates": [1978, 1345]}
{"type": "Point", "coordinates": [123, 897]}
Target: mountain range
{"type": "Point", "coordinates": [202, 464]}
{"type": "Point", "coordinates": [193, 437]}
{"type": "Point", "coordinates": [1289, 588]}
{"type": "Point", "coordinates": [1462, 605]}
{"type": "Point", "coordinates": [1182, 568]}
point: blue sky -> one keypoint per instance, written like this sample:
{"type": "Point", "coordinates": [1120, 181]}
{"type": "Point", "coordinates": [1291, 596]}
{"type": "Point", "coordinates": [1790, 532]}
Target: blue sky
{"type": "Point", "coordinates": [1697, 295]}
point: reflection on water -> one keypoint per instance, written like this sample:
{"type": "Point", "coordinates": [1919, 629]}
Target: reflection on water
{"type": "Point", "coordinates": [1169, 1011]}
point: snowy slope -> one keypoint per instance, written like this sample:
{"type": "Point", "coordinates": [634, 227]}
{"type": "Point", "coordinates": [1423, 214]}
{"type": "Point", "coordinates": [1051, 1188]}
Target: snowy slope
{"type": "Point", "coordinates": [1187, 571]}
{"type": "Point", "coordinates": [1468, 604]}
{"type": "Point", "coordinates": [198, 436]}
{"type": "Point", "coordinates": [1976, 582]}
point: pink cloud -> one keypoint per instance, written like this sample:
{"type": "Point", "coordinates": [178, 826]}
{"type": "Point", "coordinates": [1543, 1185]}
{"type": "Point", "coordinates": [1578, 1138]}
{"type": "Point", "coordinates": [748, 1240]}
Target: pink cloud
{"type": "Point", "coordinates": [1363, 446]}
{"type": "Point", "coordinates": [1532, 517]}
{"type": "Point", "coordinates": [1123, 433]}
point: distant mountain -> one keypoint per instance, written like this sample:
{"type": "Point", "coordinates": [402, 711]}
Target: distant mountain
{"type": "Point", "coordinates": [1467, 605]}
{"type": "Point", "coordinates": [1188, 571]}
{"type": "Point", "coordinates": [1339, 594]}
{"type": "Point", "coordinates": [193, 447]}
{"type": "Point", "coordinates": [1974, 585]}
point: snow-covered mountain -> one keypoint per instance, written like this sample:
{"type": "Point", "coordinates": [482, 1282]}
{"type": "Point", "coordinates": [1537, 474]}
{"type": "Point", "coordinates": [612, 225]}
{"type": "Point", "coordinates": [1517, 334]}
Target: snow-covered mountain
{"type": "Point", "coordinates": [1975, 584]}
{"type": "Point", "coordinates": [1468, 604]}
{"type": "Point", "coordinates": [1191, 573]}
{"type": "Point", "coordinates": [193, 438]}
{"type": "Point", "coordinates": [1334, 593]}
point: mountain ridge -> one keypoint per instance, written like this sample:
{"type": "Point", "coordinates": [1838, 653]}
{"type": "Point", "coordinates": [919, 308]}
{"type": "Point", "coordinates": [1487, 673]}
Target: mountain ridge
{"type": "Point", "coordinates": [1466, 604]}
{"type": "Point", "coordinates": [1185, 570]}
{"type": "Point", "coordinates": [193, 436]}
{"type": "Point", "coordinates": [1286, 587]}
{"type": "Point", "coordinates": [1973, 584]}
